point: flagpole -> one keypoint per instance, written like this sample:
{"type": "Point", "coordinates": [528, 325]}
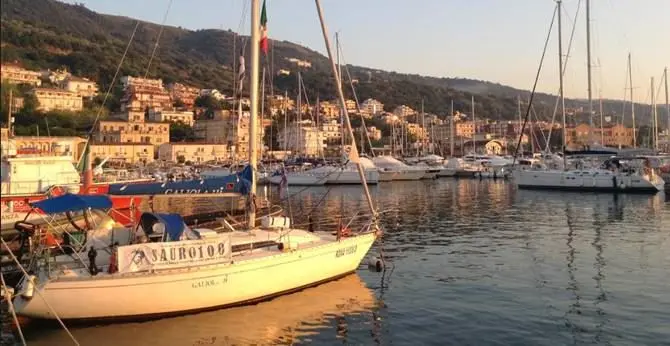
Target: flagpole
{"type": "Point", "coordinates": [340, 93]}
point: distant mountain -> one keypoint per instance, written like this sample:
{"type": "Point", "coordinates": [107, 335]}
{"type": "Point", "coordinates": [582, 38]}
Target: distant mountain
{"type": "Point", "coordinates": [51, 34]}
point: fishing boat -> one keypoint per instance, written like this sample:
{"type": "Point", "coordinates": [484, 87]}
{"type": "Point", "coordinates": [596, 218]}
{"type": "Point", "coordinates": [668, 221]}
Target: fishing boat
{"type": "Point", "coordinates": [161, 267]}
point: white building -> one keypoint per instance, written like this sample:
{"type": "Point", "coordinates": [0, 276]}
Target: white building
{"type": "Point", "coordinates": [403, 111]}
{"type": "Point", "coordinates": [193, 151]}
{"type": "Point", "coordinates": [80, 86]}
{"type": "Point", "coordinates": [305, 139]}
{"type": "Point", "coordinates": [372, 107]}
{"type": "Point", "coordinates": [172, 116]}
{"type": "Point", "coordinates": [331, 131]}
{"type": "Point", "coordinates": [57, 99]}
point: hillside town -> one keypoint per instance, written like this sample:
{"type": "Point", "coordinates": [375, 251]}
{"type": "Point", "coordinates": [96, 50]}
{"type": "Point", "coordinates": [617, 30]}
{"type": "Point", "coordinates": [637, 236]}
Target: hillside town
{"type": "Point", "coordinates": [139, 132]}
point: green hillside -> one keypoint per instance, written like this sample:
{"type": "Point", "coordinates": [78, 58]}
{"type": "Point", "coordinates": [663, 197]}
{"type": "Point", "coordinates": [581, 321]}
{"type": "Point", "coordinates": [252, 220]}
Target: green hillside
{"type": "Point", "coordinates": [51, 34]}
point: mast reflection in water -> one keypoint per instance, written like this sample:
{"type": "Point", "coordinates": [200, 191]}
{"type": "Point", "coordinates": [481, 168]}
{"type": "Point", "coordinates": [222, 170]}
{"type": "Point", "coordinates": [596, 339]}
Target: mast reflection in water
{"type": "Point", "coordinates": [470, 262]}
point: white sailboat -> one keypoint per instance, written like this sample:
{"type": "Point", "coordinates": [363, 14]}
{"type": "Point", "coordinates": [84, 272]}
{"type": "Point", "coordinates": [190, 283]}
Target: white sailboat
{"type": "Point", "coordinates": [175, 270]}
{"type": "Point", "coordinates": [633, 176]}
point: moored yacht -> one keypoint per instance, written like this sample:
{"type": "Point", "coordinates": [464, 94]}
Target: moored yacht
{"type": "Point", "coordinates": [391, 169]}
{"type": "Point", "coordinates": [348, 173]}
{"type": "Point", "coordinates": [616, 174]}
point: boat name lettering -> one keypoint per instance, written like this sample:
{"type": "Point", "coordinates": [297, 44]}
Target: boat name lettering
{"type": "Point", "coordinates": [346, 251]}
{"type": "Point", "coordinates": [209, 283]}
{"type": "Point", "coordinates": [191, 191]}
{"type": "Point", "coordinates": [177, 254]}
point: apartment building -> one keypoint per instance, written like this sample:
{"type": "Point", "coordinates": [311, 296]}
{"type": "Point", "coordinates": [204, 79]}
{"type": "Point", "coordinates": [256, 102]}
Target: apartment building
{"type": "Point", "coordinates": [304, 139]}
{"type": "Point", "coordinates": [83, 87]}
{"type": "Point", "coordinates": [612, 135]}
{"type": "Point", "coordinates": [131, 127]}
{"type": "Point", "coordinates": [196, 152]}
{"type": "Point", "coordinates": [184, 93]}
{"type": "Point", "coordinates": [50, 99]}
{"type": "Point", "coordinates": [129, 152]}
{"type": "Point", "coordinates": [15, 74]}
{"type": "Point", "coordinates": [142, 93]}
{"type": "Point", "coordinates": [172, 116]}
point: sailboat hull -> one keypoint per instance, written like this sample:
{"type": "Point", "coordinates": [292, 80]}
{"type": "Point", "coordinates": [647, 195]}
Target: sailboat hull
{"type": "Point", "coordinates": [248, 279]}
{"type": "Point", "coordinates": [601, 181]}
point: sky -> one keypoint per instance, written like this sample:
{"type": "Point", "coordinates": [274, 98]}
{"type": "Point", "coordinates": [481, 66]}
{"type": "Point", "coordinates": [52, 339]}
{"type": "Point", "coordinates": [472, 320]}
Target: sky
{"type": "Point", "coordinates": [495, 40]}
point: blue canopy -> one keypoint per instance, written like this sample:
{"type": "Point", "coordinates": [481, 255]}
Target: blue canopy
{"type": "Point", "coordinates": [238, 183]}
{"type": "Point", "coordinates": [174, 224]}
{"type": "Point", "coordinates": [71, 202]}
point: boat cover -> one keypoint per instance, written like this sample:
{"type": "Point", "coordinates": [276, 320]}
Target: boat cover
{"type": "Point", "coordinates": [238, 183]}
{"type": "Point", "coordinates": [173, 224]}
{"type": "Point", "coordinates": [72, 202]}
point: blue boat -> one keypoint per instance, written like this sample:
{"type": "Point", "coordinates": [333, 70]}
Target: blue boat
{"type": "Point", "coordinates": [232, 185]}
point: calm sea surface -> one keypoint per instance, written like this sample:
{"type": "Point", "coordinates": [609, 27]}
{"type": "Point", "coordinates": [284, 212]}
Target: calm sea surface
{"type": "Point", "coordinates": [470, 263]}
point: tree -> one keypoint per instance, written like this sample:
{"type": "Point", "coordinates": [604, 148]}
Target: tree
{"type": "Point", "coordinates": [180, 132]}
{"type": "Point", "coordinates": [208, 102]}
{"type": "Point", "coordinates": [181, 159]}
{"type": "Point", "coordinates": [178, 103]}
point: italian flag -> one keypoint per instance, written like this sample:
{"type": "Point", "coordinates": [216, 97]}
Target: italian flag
{"type": "Point", "coordinates": [264, 30]}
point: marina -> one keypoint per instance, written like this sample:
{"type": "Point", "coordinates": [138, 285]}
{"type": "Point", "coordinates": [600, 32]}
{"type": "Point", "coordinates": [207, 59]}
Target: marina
{"type": "Point", "coordinates": [526, 265]}
{"type": "Point", "coordinates": [310, 200]}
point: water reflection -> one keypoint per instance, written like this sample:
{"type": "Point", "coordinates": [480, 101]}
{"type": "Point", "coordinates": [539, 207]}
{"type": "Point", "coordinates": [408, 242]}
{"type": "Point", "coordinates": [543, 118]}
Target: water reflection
{"type": "Point", "coordinates": [286, 320]}
{"type": "Point", "coordinates": [470, 262]}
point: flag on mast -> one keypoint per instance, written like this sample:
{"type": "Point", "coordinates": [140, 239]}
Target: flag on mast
{"type": "Point", "coordinates": [264, 30]}
{"type": "Point", "coordinates": [241, 74]}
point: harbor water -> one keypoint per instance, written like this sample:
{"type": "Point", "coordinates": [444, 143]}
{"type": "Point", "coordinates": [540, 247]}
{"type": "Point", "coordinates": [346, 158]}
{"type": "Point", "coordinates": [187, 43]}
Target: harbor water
{"type": "Point", "coordinates": [468, 263]}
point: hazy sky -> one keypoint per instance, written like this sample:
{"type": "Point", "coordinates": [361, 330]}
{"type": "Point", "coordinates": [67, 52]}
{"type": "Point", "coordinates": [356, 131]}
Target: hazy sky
{"type": "Point", "coordinates": [494, 40]}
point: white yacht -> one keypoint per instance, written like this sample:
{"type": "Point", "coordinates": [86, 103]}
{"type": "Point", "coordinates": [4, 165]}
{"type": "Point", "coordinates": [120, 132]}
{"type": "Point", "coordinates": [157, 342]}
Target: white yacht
{"type": "Point", "coordinates": [348, 174]}
{"type": "Point", "coordinates": [616, 174]}
{"type": "Point", "coordinates": [391, 169]}
{"type": "Point", "coordinates": [305, 176]}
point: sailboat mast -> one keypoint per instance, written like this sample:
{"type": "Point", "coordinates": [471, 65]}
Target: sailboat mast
{"type": "Point", "coordinates": [339, 81]}
{"type": "Point", "coordinates": [588, 67]}
{"type": "Point", "coordinates": [602, 128]}
{"type": "Point", "coordinates": [518, 105]}
{"type": "Point", "coordinates": [667, 103]}
{"type": "Point", "coordinates": [474, 124]}
{"type": "Point", "coordinates": [298, 118]}
{"type": "Point", "coordinates": [253, 98]}
{"type": "Point", "coordinates": [632, 101]}
{"type": "Point", "coordinates": [451, 130]}
{"type": "Point", "coordinates": [423, 129]}
{"type": "Point", "coordinates": [340, 93]}
{"type": "Point", "coordinates": [560, 77]}
{"type": "Point", "coordinates": [654, 136]}
{"type": "Point", "coordinates": [262, 106]}
{"type": "Point", "coordinates": [285, 121]}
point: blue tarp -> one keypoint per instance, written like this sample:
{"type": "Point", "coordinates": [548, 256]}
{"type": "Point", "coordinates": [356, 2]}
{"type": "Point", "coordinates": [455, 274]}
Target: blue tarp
{"type": "Point", "coordinates": [235, 183]}
{"type": "Point", "coordinates": [71, 202]}
{"type": "Point", "coordinates": [174, 224]}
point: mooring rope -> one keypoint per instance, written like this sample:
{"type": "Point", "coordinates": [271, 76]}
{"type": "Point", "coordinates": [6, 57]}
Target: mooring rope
{"type": "Point", "coordinates": [27, 276]}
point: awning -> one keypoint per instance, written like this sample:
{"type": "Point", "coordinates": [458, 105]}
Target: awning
{"type": "Point", "coordinates": [71, 202]}
{"type": "Point", "coordinates": [173, 224]}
